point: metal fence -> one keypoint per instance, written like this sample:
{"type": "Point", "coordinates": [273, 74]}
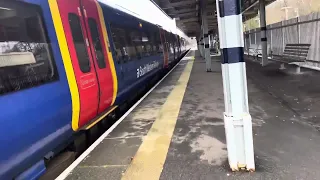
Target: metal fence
{"type": "Point", "coordinates": [300, 30]}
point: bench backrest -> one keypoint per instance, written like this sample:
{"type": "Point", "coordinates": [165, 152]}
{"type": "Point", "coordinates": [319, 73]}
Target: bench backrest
{"type": "Point", "coordinates": [297, 51]}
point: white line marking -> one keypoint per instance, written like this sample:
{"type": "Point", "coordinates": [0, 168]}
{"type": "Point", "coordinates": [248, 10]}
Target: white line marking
{"type": "Point", "coordinates": [128, 137]}
{"type": "Point", "coordinates": [66, 172]}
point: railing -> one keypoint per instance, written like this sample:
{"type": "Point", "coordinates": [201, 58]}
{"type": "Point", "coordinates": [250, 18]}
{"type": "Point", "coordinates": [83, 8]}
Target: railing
{"type": "Point", "coordinates": [304, 29]}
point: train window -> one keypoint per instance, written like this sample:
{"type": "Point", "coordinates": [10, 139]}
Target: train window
{"type": "Point", "coordinates": [136, 39]}
{"type": "Point", "coordinates": [25, 52]}
{"type": "Point", "coordinates": [79, 43]}
{"type": "Point", "coordinates": [161, 42]}
{"type": "Point", "coordinates": [130, 47]}
{"type": "Point", "coordinates": [157, 43]}
{"type": "Point", "coordinates": [124, 49]}
{"type": "Point", "coordinates": [147, 44]}
{"type": "Point", "coordinates": [97, 43]}
{"type": "Point", "coordinates": [153, 43]}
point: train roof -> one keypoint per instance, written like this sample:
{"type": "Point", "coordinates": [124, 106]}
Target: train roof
{"type": "Point", "coordinates": [127, 14]}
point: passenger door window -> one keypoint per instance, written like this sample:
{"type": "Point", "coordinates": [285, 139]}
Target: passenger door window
{"type": "Point", "coordinates": [97, 43]}
{"type": "Point", "coordinates": [79, 43]}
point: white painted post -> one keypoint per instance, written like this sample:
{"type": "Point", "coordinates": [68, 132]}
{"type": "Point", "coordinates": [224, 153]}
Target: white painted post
{"type": "Point", "coordinates": [237, 120]}
{"type": "Point", "coordinates": [201, 42]}
{"type": "Point", "coordinates": [206, 41]}
{"type": "Point", "coordinates": [203, 34]}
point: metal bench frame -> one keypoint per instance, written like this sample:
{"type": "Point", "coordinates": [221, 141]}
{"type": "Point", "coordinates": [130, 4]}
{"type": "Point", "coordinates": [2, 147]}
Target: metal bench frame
{"type": "Point", "coordinates": [293, 53]}
{"type": "Point", "coordinates": [257, 52]}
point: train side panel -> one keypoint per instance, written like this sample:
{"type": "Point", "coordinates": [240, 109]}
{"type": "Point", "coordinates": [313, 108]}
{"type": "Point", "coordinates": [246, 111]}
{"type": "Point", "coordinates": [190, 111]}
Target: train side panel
{"type": "Point", "coordinates": [36, 112]}
{"type": "Point", "coordinates": [132, 72]}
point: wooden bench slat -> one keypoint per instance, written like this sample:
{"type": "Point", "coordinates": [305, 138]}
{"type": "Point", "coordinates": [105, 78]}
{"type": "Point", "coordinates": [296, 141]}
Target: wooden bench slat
{"type": "Point", "coordinates": [294, 48]}
{"type": "Point", "coordinates": [296, 54]}
{"type": "Point", "coordinates": [292, 56]}
{"type": "Point", "coordinates": [290, 50]}
{"type": "Point", "coordinates": [294, 59]}
{"type": "Point", "coordinates": [287, 60]}
{"type": "Point", "coordinates": [298, 44]}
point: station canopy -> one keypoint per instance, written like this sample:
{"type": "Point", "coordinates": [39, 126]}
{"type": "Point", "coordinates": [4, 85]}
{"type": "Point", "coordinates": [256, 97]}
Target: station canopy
{"type": "Point", "coordinates": [187, 13]}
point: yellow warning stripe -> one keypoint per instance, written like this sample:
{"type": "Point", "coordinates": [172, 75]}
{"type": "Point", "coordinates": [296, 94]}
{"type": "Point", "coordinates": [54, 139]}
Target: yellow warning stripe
{"type": "Point", "coordinates": [67, 63]}
{"type": "Point", "coordinates": [100, 118]}
{"type": "Point", "coordinates": [149, 160]}
{"type": "Point", "coordinates": [110, 59]}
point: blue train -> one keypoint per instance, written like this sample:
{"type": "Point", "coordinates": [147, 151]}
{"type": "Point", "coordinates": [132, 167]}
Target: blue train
{"type": "Point", "coordinates": [66, 65]}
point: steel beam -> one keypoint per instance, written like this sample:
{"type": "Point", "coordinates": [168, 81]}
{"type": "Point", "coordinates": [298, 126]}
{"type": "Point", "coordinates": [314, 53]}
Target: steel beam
{"type": "Point", "coordinates": [193, 19]}
{"type": "Point", "coordinates": [177, 4]}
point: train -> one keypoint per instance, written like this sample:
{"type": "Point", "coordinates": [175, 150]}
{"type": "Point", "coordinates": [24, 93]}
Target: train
{"type": "Point", "coordinates": [65, 67]}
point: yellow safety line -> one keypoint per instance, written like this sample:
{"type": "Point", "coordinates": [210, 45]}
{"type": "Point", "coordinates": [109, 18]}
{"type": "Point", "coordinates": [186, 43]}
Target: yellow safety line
{"type": "Point", "coordinates": [67, 63]}
{"type": "Point", "coordinates": [101, 117]}
{"type": "Point", "coordinates": [149, 160]}
{"type": "Point", "coordinates": [111, 61]}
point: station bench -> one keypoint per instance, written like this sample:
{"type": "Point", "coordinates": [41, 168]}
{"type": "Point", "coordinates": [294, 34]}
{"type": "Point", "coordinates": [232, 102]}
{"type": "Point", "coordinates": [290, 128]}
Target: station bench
{"type": "Point", "coordinates": [292, 53]}
{"type": "Point", "coordinates": [256, 51]}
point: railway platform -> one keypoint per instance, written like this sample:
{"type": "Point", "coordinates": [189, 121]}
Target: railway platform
{"type": "Point", "coordinates": [177, 131]}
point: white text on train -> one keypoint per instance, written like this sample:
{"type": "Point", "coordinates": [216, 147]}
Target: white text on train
{"type": "Point", "coordinates": [146, 68]}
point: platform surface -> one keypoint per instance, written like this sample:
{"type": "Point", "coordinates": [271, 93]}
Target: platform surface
{"type": "Point", "coordinates": [177, 132]}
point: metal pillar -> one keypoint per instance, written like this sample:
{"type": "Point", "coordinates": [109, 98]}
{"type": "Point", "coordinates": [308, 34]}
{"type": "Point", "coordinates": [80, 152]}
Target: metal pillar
{"type": "Point", "coordinates": [237, 120]}
{"type": "Point", "coordinates": [263, 27]}
{"type": "Point", "coordinates": [202, 35]}
{"type": "Point", "coordinates": [198, 44]}
{"type": "Point", "coordinates": [201, 43]}
{"type": "Point", "coordinates": [206, 42]}
{"type": "Point", "coordinates": [203, 47]}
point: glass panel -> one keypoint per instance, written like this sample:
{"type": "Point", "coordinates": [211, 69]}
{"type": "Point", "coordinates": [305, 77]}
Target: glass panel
{"type": "Point", "coordinates": [79, 43]}
{"type": "Point", "coordinates": [97, 43]}
{"type": "Point", "coordinates": [124, 47]}
{"type": "Point", "coordinates": [25, 53]}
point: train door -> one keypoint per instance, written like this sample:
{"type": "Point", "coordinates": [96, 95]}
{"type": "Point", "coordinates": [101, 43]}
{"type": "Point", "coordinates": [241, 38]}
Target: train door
{"type": "Point", "coordinates": [83, 60]}
{"type": "Point", "coordinates": [169, 45]}
{"type": "Point", "coordinates": [98, 51]}
{"type": "Point", "coordinates": [165, 48]}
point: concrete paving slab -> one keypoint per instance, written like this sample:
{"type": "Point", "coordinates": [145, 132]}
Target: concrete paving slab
{"type": "Point", "coordinates": [113, 152]}
{"type": "Point", "coordinates": [97, 173]}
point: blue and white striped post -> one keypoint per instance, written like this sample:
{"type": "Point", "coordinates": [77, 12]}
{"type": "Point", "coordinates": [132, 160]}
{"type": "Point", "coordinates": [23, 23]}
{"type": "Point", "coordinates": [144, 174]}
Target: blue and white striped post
{"type": "Point", "coordinates": [263, 28]}
{"type": "Point", "coordinates": [206, 41]}
{"type": "Point", "coordinates": [237, 120]}
{"type": "Point", "coordinates": [201, 45]}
